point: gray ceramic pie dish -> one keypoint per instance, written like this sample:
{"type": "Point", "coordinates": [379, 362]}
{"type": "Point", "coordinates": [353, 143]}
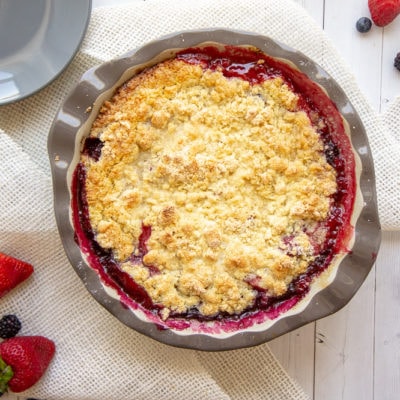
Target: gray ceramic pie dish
{"type": "Point", "coordinates": [73, 121]}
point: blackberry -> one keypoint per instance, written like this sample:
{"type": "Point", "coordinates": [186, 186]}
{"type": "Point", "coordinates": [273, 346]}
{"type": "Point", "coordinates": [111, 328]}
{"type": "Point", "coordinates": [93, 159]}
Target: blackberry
{"type": "Point", "coordinates": [397, 61]}
{"type": "Point", "coordinates": [10, 325]}
{"type": "Point", "coordinates": [363, 25]}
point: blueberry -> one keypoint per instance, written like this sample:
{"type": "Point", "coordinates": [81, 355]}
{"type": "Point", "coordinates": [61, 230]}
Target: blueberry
{"type": "Point", "coordinates": [397, 61]}
{"type": "Point", "coordinates": [364, 24]}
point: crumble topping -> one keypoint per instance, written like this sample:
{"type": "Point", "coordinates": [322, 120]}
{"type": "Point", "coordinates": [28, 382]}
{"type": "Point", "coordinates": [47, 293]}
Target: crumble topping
{"type": "Point", "coordinates": [230, 176]}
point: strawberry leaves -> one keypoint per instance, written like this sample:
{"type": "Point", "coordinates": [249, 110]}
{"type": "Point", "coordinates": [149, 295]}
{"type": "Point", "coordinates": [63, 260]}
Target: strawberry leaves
{"type": "Point", "coordinates": [6, 373]}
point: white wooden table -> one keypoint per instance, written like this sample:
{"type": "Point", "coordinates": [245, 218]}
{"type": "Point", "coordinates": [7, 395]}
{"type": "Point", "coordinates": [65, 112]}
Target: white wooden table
{"type": "Point", "coordinates": [355, 353]}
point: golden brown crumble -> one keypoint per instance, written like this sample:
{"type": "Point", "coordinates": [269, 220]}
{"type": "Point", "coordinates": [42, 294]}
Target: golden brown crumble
{"type": "Point", "coordinates": [226, 173]}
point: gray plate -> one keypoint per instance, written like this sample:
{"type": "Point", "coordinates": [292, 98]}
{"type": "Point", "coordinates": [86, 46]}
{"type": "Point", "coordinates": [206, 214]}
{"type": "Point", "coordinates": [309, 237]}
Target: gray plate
{"type": "Point", "coordinates": [73, 120]}
{"type": "Point", "coordinates": [38, 38]}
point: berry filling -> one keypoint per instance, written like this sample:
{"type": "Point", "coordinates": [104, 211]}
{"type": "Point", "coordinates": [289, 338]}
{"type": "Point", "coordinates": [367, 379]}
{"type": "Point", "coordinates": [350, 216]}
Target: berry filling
{"type": "Point", "coordinates": [92, 148]}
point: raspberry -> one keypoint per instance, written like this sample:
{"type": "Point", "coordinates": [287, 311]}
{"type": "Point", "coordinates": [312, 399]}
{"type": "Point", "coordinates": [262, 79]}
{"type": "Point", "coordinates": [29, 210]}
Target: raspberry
{"type": "Point", "coordinates": [397, 61]}
{"type": "Point", "coordinates": [363, 25]}
{"type": "Point", "coordinates": [10, 325]}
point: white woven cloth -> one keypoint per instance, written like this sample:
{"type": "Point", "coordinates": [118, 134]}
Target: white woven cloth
{"type": "Point", "coordinates": [97, 357]}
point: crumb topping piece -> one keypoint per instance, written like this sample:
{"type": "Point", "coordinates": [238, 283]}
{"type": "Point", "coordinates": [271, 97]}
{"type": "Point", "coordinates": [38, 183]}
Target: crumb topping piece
{"type": "Point", "coordinates": [230, 176]}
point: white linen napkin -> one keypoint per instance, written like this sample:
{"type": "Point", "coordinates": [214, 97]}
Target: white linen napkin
{"type": "Point", "coordinates": [97, 356]}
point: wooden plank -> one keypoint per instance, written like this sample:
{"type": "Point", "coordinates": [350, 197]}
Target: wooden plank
{"type": "Point", "coordinates": [362, 52]}
{"type": "Point", "coordinates": [295, 352]}
{"type": "Point", "coordinates": [344, 349]}
{"type": "Point", "coordinates": [344, 354]}
{"type": "Point", "coordinates": [387, 319]}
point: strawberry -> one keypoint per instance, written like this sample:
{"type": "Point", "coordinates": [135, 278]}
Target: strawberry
{"type": "Point", "coordinates": [23, 361]}
{"type": "Point", "coordinates": [12, 273]}
{"type": "Point", "coordinates": [383, 12]}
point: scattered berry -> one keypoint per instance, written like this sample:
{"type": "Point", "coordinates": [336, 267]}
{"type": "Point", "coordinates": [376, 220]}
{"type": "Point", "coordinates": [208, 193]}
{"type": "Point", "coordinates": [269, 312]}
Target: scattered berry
{"type": "Point", "coordinates": [363, 25]}
{"type": "Point", "coordinates": [10, 325]}
{"type": "Point", "coordinates": [397, 61]}
{"type": "Point", "coordinates": [383, 12]}
{"type": "Point", "coordinates": [23, 361]}
{"type": "Point", "coordinates": [12, 273]}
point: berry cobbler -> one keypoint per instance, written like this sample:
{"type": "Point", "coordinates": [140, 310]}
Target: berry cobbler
{"type": "Point", "coordinates": [214, 187]}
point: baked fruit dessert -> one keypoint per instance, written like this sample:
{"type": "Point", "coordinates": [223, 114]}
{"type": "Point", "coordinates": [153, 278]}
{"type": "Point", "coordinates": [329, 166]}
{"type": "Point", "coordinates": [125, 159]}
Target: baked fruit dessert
{"type": "Point", "coordinates": [214, 188]}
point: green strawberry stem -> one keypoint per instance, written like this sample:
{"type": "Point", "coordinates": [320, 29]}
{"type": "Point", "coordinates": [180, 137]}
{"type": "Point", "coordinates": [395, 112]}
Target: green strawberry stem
{"type": "Point", "coordinates": [6, 373]}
